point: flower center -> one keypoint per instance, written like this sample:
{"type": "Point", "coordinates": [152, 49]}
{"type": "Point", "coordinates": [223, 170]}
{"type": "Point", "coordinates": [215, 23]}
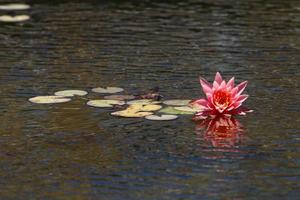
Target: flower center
{"type": "Point", "coordinates": [222, 99]}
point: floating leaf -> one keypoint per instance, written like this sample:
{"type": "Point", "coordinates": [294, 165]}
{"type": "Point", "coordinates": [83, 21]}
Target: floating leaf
{"type": "Point", "coordinates": [71, 93]}
{"type": "Point", "coordinates": [14, 6]}
{"type": "Point", "coordinates": [143, 102]}
{"type": "Point", "coordinates": [187, 109]}
{"type": "Point", "coordinates": [172, 110]}
{"type": "Point", "coordinates": [120, 97]}
{"type": "Point", "coordinates": [17, 18]}
{"type": "Point", "coordinates": [177, 102]}
{"type": "Point", "coordinates": [150, 107]}
{"type": "Point", "coordinates": [108, 90]}
{"type": "Point", "coordinates": [137, 110]}
{"type": "Point", "coordinates": [126, 113]}
{"type": "Point", "coordinates": [162, 117]}
{"type": "Point", "coordinates": [49, 99]}
{"type": "Point", "coordinates": [104, 103]}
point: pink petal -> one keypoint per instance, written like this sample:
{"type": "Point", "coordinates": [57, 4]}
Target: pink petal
{"type": "Point", "coordinates": [218, 78]}
{"type": "Point", "coordinates": [242, 98]}
{"type": "Point", "coordinates": [230, 83]}
{"type": "Point", "coordinates": [241, 87]}
{"type": "Point", "coordinates": [223, 85]}
{"type": "Point", "coordinates": [206, 86]}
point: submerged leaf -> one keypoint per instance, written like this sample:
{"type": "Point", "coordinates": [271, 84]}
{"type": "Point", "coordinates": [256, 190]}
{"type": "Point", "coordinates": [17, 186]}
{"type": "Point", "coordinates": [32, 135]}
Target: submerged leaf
{"type": "Point", "coordinates": [162, 117]}
{"type": "Point", "coordinates": [104, 103]}
{"type": "Point", "coordinates": [49, 99]}
{"type": "Point", "coordinates": [14, 6]}
{"type": "Point", "coordinates": [177, 102]}
{"type": "Point", "coordinates": [172, 110]}
{"type": "Point", "coordinates": [120, 97]}
{"type": "Point", "coordinates": [71, 93]}
{"type": "Point", "coordinates": [17, 18]}
{"type": "Point", "coordinates": [108, 90]}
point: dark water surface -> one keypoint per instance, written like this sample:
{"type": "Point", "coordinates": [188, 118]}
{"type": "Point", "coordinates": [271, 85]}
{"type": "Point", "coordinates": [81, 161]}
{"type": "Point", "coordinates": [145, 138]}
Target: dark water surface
{"type": "Point", "coordinates": [72, 151]}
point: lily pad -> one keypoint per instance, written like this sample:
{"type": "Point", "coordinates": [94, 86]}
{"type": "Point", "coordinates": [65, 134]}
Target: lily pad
{"type": "Point", "coordinates": [49, 99]}
{"type": "Point", "coordinates": [143, 102]}
{"type": "Point", "coordinates": [187, 109]}
{"type": "Point", "coordinates": [137, 110]}
{"type": "Point", "coordinates": [14, 6]}
{"type": "Point", "coordinates": [120, 97]}
{"type": "Point", "coordinates": [101, 103]}
{"type": "Point", "coordinates": [126, 113]}
{"type": "Point", "coordinates": [177, 102]}
{"type": "Point", "coordinates": [172, 110]}
{"type": "Point", "coordinates": [150, 107]}
{"type": "Point", "coordinates": [108, 90]}
{"type": "Point", "coordinates": [71, 93]}
{"type": "Point", "coordinates": [162, 117]}
{"type": "Point", "coordinates": [17, 18]}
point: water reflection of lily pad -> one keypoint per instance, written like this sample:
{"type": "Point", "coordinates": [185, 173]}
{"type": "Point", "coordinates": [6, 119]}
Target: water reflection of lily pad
{"type": "Point", "coordinates": [17, 18]}
{"type": "Point", "coordinates": [143, 102]}
{"type": "Point", "coordinates": [101, 103]}
{"type": "Point", "coordinates": [71, 93]}
{"type": "Point", "coordinates": [14, 6]}
{"type": "Point", "coordinates": [49, 99]}
{"type": "Point", "coordinates": [108, 90]}
{"type": "Point", "coordinates": [162, 117]}
{"type": "Point", "coordinates": [177, 102]}
{"type": "Point", "coordinates": [120, 97]}
{"type": "Point", "coordinates": [172, 110]}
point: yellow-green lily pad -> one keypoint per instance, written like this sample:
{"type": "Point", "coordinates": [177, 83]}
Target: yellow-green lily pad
{"type": "Point", "coordinates": [71, 93]}
{"type": "Point", "coordinates": [108, 90]}
{"type": "Point", "coordinates": [150, 107]}
{"type": "Point", "coordinates": [126, 113]}
{"type": "Point", "coordinates": [187, 109]}
{"type": "Point", "coordinates": [172, 110]}
{"type": "Point", "coordinates": [143, 102]}
{"type": "Point", "coordinates": [120, 97]}
{"type": "Point", "coordinates": [49, 99]}
{"type": "Point", "coordinates": [17, 18]}
{"type": "Point", "coordinates": [101, 103]}
{"type": "Point", "coordinates": [177, 102]}
{"type": "Point", "coordinates": [162, 117]}
{"type": "Point", "coordinates": [14, 6]}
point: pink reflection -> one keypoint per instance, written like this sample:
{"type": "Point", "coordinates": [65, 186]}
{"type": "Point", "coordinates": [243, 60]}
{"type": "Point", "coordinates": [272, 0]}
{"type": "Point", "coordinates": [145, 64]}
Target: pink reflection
{"type": "Point", "coordinates": [221, 132]}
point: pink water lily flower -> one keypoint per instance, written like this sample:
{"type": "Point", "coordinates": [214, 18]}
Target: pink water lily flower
{"type": "Point", "coordinates": [221, 98]}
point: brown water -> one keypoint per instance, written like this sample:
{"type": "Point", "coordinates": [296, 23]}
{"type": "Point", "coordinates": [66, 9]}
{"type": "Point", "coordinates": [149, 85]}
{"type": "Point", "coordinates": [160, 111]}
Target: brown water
{"type": "Point", "coordinates": [72, 151]}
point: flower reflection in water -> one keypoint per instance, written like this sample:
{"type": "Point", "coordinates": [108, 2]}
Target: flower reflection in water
{"type": "Point", "coordinates": [221, 132]}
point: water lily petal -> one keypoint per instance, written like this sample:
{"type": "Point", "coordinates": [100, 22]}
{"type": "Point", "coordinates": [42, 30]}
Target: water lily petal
{"type": "Point", "coordinates": [218, 78]}
{"type": "Point", "coordinates": [206, 86]}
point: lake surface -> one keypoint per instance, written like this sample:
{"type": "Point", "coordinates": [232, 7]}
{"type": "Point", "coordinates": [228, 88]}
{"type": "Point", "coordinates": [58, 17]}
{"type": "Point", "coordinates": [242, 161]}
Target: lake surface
{"type": "Point", "coordinates": [72, 151]}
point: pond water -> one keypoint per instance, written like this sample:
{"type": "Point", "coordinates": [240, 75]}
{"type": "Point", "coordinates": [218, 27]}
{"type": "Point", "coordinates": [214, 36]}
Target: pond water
{"type": "Point", "coordinates": [72, 151]}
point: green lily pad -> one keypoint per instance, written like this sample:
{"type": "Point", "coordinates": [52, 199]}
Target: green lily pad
{"type": "Point", "coordinates": [108, 90]}
{"type": "Point", "coordinates": [49, 99]}
{"type": "Point", "coordinates": [120, 97]}
{"type": "Point", "coordinates": [71, 93]}
{"type": "Point", "coordinates": [177, 102]}
{"type": "Point", "coordinates": [101, 103]}
{"type": "Point", "coordinates": [172, 110]}
{"type": "Point", "coordinates": [14, 6]}
{"type": "Point", "coordinates": [17, 18]}
{"type": "Point", "coordinates": [162, 117]}
{"type": "Point", "coordinates": [143, 102]}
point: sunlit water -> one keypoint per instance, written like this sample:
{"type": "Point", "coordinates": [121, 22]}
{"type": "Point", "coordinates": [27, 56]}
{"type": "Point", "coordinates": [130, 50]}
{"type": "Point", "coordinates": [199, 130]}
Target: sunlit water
{"type": "Point", "coordinates": [72, 151]}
